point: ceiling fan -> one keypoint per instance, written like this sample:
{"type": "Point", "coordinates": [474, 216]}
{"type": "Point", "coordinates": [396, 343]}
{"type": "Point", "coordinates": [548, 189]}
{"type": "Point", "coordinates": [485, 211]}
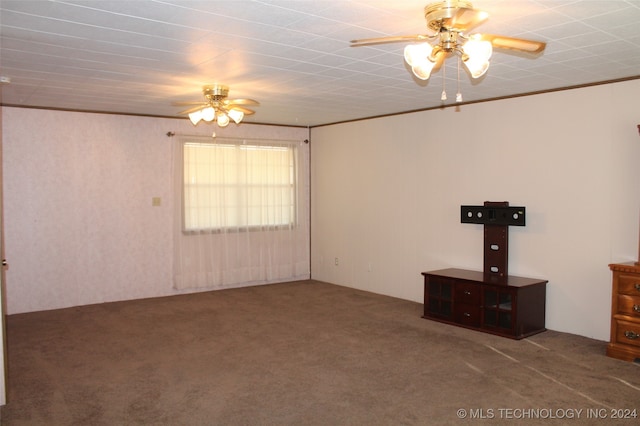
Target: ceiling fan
{"type": "Point", "coordinates": [451, 21]}
{"type": "Point", "coordinates": [216, 106]}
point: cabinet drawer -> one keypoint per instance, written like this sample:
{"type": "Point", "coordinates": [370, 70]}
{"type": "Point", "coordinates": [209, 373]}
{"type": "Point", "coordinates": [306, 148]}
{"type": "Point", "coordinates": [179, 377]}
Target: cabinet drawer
{"type": "Point", "coordinates": [467, 293]}
{"type": "Point", "coordinates": [629, 305]}
{"type": "Point", "coordinates": [629, 284]}
{"type": "Point", "coordinates": [628, 333]}
{"type": "Point", "coordinates": [467, 314]}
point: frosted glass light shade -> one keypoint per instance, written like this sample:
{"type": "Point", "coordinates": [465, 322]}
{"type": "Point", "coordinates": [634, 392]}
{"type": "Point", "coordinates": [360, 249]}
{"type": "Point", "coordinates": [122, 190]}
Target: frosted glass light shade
{"type": "Point", "coordinates": [236, 115]}
{"type": "Point", "coordinates": [479, 53]}
{"type": "Point", "coordinates": [223, 120]}
{"type": "Point", "coordinates": [195, 117]}
{"type": "Point", "coordinates": [478, 49]}
{"type": "Point", "coordinates": [423, 71]}
{"type": "Point", "coordinates": [477, 68]}
{"type": "Point", "coordinates": [417, 53]}
{"type": "Point", "coordinates": [418, 56]}
{"type": "Point", "coordinates": [208, 114]}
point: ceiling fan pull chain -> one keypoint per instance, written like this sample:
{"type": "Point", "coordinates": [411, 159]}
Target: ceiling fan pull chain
{"type": "Point", "coordinates": [443, 96]}
{"type": "Point", "coordinates": [458, 95]}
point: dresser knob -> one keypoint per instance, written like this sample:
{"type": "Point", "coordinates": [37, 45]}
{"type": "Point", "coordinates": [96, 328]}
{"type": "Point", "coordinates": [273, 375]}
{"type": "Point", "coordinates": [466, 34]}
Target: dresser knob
{"type": "Point", "coordinates": [467, 292]}
{"type": "Point", "coordinates": [631, 335]}
{"type": "Point", "coordinates": [467, 314]}
{"type": "Point", "coordinates": [636, 308]}
{"type": "Point", "coordinates": [637, 286]}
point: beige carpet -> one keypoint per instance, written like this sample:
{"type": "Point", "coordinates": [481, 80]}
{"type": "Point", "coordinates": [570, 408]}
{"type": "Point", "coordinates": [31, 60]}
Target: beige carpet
{"type": "Point", "coordinates": [302, 353]}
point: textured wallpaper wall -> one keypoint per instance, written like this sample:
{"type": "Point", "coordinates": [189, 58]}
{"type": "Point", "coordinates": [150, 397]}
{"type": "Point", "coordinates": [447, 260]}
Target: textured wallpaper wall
{"type": "Point", "coordinates": [80, 227]}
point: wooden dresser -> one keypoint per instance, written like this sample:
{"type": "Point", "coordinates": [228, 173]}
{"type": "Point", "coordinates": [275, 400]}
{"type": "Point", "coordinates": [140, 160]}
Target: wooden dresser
{"type": "Point", "coordinates": [511, 307]}
{"type": "Point", "coordinates": [625, 312]}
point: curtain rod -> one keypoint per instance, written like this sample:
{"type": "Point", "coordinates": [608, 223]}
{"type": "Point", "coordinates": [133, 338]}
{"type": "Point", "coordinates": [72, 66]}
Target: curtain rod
{"type": "Point", "coordinates": [171, 134]}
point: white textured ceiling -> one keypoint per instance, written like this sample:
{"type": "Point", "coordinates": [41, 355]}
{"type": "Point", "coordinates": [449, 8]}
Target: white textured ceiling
{"type": "Point", "coordinates": [293, 56]}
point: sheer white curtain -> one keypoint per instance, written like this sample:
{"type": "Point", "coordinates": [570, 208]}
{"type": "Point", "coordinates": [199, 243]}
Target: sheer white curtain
{"type": "Point", "coordinates": [241, 212]}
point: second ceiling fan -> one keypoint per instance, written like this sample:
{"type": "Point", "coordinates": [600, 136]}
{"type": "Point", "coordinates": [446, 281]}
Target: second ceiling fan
{"type": "Point", "coordinates": [217, 107]}
{"type": "Point", "coordinates": [451, 21]}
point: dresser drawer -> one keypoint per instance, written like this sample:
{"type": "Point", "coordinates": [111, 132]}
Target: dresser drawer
{"type": "Point", "coordinates": [467, 314]}
{"type": "Point", "coordinates": [625, 315]}
{"type": "Point", "coordinates": [629, 305]}
{"type": "Point", "coordinates": [628, 333]}
{"type": "Point", "coordinates": [629, 284]}
{"type": "Point", "coordinates": [468, 293]}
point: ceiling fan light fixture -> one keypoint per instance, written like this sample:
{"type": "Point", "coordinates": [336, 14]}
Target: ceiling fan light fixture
{"type": "Point", "coordinates": [223, 119]}
{"type": "Point", "coordinates": [423, 70]}
{"type": "Point", "coordinates": [195, 117]}
{"type": "Point", "coordinates": [208, 114]}
{"type": "Point", "coordinates": [236, 115]}
{"type": "Point", "coordinates": [477, 53]}
{"type": "Point", "coordinates": [217, 108]}
{"type": "Point", "coordinates": [451, 22]}
{"type": "Point", "coordinates": [417, 53]}
{"type": "Point", "coordinates": [419, 58]}
{"type": "Point", "coordinates": [480, 49]}
{"type": "Point", "coordinates": [477, 67]}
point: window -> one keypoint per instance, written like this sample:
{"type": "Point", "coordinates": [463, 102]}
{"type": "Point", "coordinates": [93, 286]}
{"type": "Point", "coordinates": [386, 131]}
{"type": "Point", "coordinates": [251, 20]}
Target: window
{"type": "Point", "coordinates": [238, 185]}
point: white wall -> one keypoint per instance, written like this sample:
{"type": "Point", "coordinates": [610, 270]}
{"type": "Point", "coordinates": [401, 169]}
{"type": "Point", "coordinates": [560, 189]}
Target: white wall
{"type": "Point", "coordinates": [386, 196]}
{"type": "Point", "coordinates": [79, 224]}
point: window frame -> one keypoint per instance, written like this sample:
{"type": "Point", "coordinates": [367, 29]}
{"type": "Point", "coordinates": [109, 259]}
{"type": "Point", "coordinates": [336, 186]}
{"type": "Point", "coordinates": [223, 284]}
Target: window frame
{"type": "Point", "coordinates": [238, 143]}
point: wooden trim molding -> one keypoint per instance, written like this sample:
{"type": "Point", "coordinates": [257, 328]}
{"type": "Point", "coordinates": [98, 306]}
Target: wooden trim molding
{"type": "Point", "coordinates": [625, 267]}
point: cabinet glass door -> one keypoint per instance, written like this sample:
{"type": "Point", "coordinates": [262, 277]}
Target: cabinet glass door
{"type": "Point", "coordinates": [440, 303]}
{"type": "Point", "coordinates": [497, 306]}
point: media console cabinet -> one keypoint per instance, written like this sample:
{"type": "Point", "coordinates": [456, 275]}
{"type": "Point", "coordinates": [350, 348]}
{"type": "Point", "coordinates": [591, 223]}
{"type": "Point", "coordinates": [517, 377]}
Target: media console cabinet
{"type": "Point", "coordinates": [508, 306]}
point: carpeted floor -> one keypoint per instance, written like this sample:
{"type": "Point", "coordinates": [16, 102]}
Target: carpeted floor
{"type": "Point", "coordinates": [301, 353]}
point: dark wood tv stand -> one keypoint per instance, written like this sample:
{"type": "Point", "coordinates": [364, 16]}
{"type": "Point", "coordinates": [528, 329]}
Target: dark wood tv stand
{"type": "Point", "coordinates": [513, 307]}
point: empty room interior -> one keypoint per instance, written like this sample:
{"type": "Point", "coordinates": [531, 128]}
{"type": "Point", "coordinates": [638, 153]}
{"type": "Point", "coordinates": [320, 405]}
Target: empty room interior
{"type": "Point", "coordinates": [320, 212]}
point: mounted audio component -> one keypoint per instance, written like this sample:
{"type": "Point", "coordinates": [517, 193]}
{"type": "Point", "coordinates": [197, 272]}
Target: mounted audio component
{"type": "Point", "coordinates": [493, 215]}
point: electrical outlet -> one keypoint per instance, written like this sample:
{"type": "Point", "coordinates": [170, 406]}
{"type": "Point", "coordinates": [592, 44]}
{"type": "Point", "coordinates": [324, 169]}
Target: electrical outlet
{"type": "Point", "coordinates": [336, 261]}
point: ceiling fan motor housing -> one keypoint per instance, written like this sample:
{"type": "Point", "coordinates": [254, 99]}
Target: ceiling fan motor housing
{"type": "Point", "coordinates": [436, 13]}
{"type": "Point", "coordinates": [215, 92]}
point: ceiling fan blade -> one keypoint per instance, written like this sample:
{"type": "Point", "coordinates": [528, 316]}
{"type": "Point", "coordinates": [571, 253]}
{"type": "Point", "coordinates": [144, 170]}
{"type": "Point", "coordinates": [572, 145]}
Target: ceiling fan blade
{"type": "Point", "coordinates": [185, 103]}
{"type": "Point", "coordinates": [512, 43]}
{"type": "Point", "coordinates": [391, 39]}
{"type": "Point", "coordinates": [466, 19]}
{"type": "Point", "coordinates": [194, 109]}
{"type": "Point", "coordinates": [242, 109]}
{"type": "Point", "coordinates": [241, 102]}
